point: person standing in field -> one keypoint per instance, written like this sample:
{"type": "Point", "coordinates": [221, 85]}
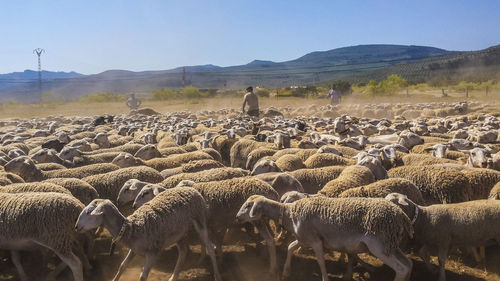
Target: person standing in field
{"type": "Point", "coordinates": [253, 103]}
{"type": "Point", "coordinates": [133, 103]}
{"type": "Point", "coordinates": [334, 95]}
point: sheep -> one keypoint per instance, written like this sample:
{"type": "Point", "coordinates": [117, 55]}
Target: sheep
{"type": "Point", "coordinates": [289, 162]}
{"type": "Point", "coordinates": [131, 148]}
{"type": "Point", "coordinates": [129, 191]}
{"type": "Point", "coordinates": [50, 166]}
{"type": "Point", "coordinates": [224, 198]}
{"type": "Point", "coordinates": [241, 149]}
{"type": "Point", "coordinates": [438, 185]}
{"type": "Point", "coordinates": [80, 189]}
{"type": "Point", "coordinates": [265, 166]}
{"type": "Point", "coordinates": [257, 155]}
{"type": "Point", "coordinates": [34, 187]}
{"type": "Point", "coordinates": [164, 221]}
{"type": "Point", "coordinates": [439, 227]}
{"type": "Point", "coordinates": [413, 159]}
{"type": "Point", "coordinates": [313, 180]}
{"type": "Point", "coordinates": [352, 225]}
{"type": "Point", "coordinates": [495, 192]}
{"type": "Point", "coordinates": [216, 174]}
{"type": "Point", "coordinates": [40, 218]}
{"type": "Point", "coordinates": [127, 160]}
{"type": "Point", "coordinates": [192, 167]}
{"type": "Point", "coordinates": [214, 153]}
{"type": "Point", "coordinates": [481, 182]}
{"type": "Point", "coordinates": [383, 188]}
{"type": "Point", "coordinates": [494, 162]}
{"type": "Point", "coordinates": [351, 176]}
{"type": "Point", "coordinates": [108, 185]}
{"type": "Point", "coordinates": [9, 178]}
{"type": "Point", "coordinates": [281, 182]}
{"type": "Point", "coordinates": [319, 160]}
{"type": "Point", "coordinates": [26, 169]}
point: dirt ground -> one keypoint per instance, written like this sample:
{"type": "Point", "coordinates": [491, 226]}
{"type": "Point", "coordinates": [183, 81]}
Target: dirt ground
{"type": "Point", "coordinates": [249, 262]}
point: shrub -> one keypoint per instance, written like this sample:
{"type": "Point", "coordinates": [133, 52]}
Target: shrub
{"type": "Point", "coordinates": [262, 92]}
{"type": "Point", "coordinates": [191, 92]}
{"type": "Point", "coordinates": [164, 94]}
{"type": "Point", "coordinates": [389, 86]}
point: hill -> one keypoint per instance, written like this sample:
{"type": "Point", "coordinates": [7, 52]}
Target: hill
{"type": "Point", "coordinates": [353, 63]}
{"type": "Point", "coordinates": [28, 76]}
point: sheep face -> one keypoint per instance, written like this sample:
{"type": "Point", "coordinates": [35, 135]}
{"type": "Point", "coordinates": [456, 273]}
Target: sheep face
{"type": "Point", "coordinates": [92, 216]}
{"type": "Point", "coordinates": [129, 191]}
{"type": "Point", "coordinates": [409, 139]}
{"type": "Point", "coordinates": [292, 196]}
{"type": "Point", "coordinates": [13, 153]}
{"type": "Point", "coordinates": [45, 155]}
{"type": "Point", "coordinates": [102, 140]}
{"type": "Point", "coordinates": [147, 194]}
{"type": "Point", "coordinates": [477, 157]}
{"type": "Point", "coordinates": [124, 160]}
{"type": "Point", "coordinates": [251, 210]}
{"type": "Point", "coordinates": [22, 166]}
{"type": "Point", "coordinates": [147, 152]}
{"type": "Point", "coordinates": [68, 153]}
{"type": "Point", "coordinates": [375, 165]}
{"type": "Point", "coordinates": [329, 149]}
{"type": "Point", "coordinates": [265, 166]}
{"type": "Point", "coordinates": [402, 201]}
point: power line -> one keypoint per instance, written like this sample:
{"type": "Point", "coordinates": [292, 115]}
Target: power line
{"type": "Point", "coordinates": [38, 52]}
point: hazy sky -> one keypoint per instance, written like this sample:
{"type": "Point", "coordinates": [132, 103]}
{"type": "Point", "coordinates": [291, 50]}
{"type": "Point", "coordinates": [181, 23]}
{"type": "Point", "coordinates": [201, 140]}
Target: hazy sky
{"type": "Point", "coordinates": [95, 35]}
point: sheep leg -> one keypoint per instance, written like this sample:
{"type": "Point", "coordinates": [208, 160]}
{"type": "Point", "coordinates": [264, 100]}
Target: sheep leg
{"type": "Point", "coordinates": [74, 264]}
{"type": "Point", "coordinates": [424, 254]}
{"type": "Point", "coordinates": [182, 249]}
{"type": "Point", "coordinates": [317, 246]}
{"type": "Point", "coordinates": [365, 265]}
{"type": "Point", "coordinates": [150, 259]}
{"type": "Point", "coordinates": [442, 255]}
{"type": "Point", "coordinates": [209, 247]}
{"type": "Point", "coordinates": [397, 261]}
{"type": "Point", "coordinates": [291, 248]}
{"type": "Point", "coordinates": [264, 232]}
{"type": "Point", "coordinates": [350, 261]}
{"type": "Point", "coordinates": [16, 260]}
{"type": "Point", "coordinates": [124, 264]}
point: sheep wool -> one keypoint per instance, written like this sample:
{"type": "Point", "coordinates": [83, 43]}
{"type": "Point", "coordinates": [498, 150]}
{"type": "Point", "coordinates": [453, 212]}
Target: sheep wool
{"type": "Point", "coordinates": [382, 188]}
{"type": "Point", "coordinates": [481, 182]}
{"type": "Point", "coordinates": [80, 189]}
{"type": "Point", "coordinates": [34, 187]}
{"type": "Point", "coordinates": [495, 192]}
{"type": "Point", "coordinates": [175, 160]}
{"type": "Point", "coordinates": [290, 162]}
{"type": "Point", "coordinates": [371, 216]}
{"type": "Point", "coordinates": [173, 207]}
{"type": "Point", "coordinates": [352, 176]}
{"type": "Point", "coordinates": [319, 160]}
{"type": "Point", "coordinates": [216, 174]}
{"type": "Point", "coordinates": [82, 172]}
{"type": "Point", "coordinates": [241, 149]}
{"type": "Point", "coordinates": [108, 185]}
{"type": "Point", "coordinates": [438, 185]}
{"type": "Point", "coordinates": [45, 216]}
{"type": "Point", "coordinates": [9, 178]}
{"type": "Point", "coordinates": [413, 159]}
{"type": "Point", "coordinates": [313, 180]}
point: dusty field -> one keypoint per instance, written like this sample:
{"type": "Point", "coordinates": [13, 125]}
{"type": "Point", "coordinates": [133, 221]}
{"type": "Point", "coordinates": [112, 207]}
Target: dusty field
{"type": "Point", "coordinates": [249, 262]}
{"type": "Point", "coordinates": [79, 108]}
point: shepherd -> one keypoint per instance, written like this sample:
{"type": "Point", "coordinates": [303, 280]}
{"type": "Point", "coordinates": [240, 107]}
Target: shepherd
{"type": "Point", "coordinates": [253, 103]}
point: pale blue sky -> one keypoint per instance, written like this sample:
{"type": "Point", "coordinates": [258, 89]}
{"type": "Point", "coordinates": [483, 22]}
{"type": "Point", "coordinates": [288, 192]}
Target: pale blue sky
{"type": "Point", "coordinates": [95, 35]}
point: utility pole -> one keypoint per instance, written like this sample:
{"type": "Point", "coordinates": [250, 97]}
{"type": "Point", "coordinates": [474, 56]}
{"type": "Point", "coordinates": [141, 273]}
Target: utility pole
{"type": "Point", "coordinates": [38, 52]}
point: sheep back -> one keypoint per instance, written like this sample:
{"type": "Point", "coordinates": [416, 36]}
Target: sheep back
{"type": "Point", "coordinates": [313, 180]}
{"type": "Point", "coordinates": [351, 176]}
{"type": "Point", "coordinates": [82, 172]}
{"type": "Point", "coordinates": [438, 185]}
{"type": "Point", "coordinates": [290, 162]}
{"type": "Point", "coordinates": [203, 176]}
{"type": "Point", "coordinates": [481, 182]}
{"type": "Point", "coordinates": [319, 160]}
{"type": "Point", "coordinates": [109, 184]}
{"type": "Point", "coordinates": [382, 188]}
{"type": "Point", "coordinates": [80, 189]}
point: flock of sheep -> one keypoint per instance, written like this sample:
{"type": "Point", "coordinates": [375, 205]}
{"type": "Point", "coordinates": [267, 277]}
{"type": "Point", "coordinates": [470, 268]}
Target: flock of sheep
{"type": "Point", "coordinates": [397, 179]}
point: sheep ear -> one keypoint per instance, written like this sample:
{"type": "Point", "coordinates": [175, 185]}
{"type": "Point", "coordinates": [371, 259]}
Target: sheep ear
{"type": "Point", "coordinates": [132, 187]}
{"type": "Point", "coordinates": [465, 151]}
{"type": "Point", "coordinates": [255, 211]}
{"type": "Point", "coordinates": [430, 148]}
{"type": "Point", "coordinates": [97, 211]}
{"type": "Point", "coordinates": [156, 191]}
{"type": "Point", "coordinates": [402, 201]}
